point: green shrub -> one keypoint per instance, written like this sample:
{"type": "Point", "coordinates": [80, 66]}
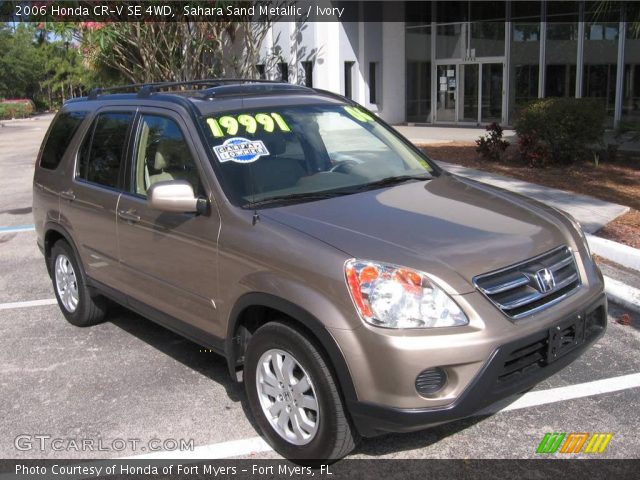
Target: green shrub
{"type": "Point", "coordinates": [560, 130]}
{"type": "Point", "coordinates": [20, 108]}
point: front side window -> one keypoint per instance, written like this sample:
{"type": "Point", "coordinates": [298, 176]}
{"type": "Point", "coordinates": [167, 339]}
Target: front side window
{"type": "Point", "coordinates": [102, 151]}
{"type": "Point", "coordinates": [62, 131]}
{"type": "Point", "coordinates": [162, 154]}
{"type": "Point", "coordinates": [283, 154]}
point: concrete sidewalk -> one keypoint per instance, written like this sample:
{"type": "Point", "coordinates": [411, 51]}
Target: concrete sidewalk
{"type": "Point", "coordinates": [423, 135]}
{"type": "Point", "coordinates": [592, 213]}
{"type": "Point", "coordinates": [430, 135]}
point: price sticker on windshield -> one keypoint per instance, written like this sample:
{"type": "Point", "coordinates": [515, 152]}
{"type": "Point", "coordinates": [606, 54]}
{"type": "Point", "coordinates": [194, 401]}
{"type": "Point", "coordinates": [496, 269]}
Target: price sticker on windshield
{"type": "Point", "coordinates": [358, 114]}
{"type": "Point", "coordinates": [240, 150]}
{"type": "Point", "coordinates": [233, 124]}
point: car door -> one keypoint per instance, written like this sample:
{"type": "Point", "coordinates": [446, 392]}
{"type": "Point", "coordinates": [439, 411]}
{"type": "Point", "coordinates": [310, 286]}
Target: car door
{"type": "Point", "coordinates": [89, 203]}
{"type": "Point", "coordinates": [169, 259]}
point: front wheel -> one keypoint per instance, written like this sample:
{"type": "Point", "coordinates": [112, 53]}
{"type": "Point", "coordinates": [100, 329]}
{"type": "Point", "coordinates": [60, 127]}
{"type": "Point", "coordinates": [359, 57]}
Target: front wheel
{"type": "Point", "coordinates": [294, 397]}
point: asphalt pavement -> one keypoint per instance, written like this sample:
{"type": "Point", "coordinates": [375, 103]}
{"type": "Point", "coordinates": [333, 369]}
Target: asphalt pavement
{"type": "Point", "coordinates": [130, 380]}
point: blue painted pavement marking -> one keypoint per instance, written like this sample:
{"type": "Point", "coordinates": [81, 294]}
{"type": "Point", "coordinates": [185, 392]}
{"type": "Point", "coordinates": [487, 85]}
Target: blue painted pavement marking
{"type": "Point", "coordinates": [17, 228]}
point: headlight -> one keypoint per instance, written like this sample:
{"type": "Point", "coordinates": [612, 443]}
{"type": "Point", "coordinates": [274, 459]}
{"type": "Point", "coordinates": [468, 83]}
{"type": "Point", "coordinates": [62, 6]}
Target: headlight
{"type": "Point", "coordinates": [396, 297]}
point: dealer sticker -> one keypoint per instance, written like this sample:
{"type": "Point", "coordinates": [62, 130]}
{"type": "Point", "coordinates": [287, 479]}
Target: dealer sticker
{"type": "Point", "coordinates": [240, 150]}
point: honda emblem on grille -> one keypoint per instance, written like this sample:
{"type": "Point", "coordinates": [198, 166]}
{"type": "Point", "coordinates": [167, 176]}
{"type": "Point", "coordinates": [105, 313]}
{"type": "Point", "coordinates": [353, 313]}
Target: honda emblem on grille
{"type": "Point", "coordinates": [545, 280]}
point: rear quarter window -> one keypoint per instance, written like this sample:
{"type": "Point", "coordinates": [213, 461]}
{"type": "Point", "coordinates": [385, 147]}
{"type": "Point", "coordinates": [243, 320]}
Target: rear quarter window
{"type": "Point", "coordinates": [62, 131]}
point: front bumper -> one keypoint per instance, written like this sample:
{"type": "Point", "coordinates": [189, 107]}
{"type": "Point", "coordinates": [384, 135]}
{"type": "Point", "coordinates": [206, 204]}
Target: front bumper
{"type": "Point", "coordinates": [512, 368]}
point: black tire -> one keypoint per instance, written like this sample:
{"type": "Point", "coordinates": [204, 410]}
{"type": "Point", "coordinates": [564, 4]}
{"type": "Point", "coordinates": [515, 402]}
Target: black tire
{"type": "Point", "coordinates": [90, 309]}
{"type": "Point", "coordinates": [335, 436]}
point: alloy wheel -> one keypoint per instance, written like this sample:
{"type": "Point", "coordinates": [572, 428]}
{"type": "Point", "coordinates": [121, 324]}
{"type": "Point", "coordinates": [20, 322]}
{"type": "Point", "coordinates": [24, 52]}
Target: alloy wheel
{"type": "Point", "coordinates": [66, 283]}
{"type": "Point", "coordinates": [287, 397]}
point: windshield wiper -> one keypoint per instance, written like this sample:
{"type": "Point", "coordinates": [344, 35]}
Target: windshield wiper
{"type": "Point", "coordinates": [388, 181]}
{"type": "Point", "coordinates": [292, 197]}
{"type": "Point", "coordinates": [310, 196]}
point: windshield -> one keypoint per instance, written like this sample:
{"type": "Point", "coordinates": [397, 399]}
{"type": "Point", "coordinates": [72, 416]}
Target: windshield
{"type": "Point", "coordinates": [298, 153]}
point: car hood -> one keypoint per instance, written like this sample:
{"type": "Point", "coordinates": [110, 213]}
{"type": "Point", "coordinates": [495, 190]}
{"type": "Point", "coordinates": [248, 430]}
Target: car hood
{"type": "Point", "coordinates": [449, 227]}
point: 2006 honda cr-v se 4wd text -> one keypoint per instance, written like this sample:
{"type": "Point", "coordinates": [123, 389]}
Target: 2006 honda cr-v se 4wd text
{"type": "Point", "coordinates": [353, 286]}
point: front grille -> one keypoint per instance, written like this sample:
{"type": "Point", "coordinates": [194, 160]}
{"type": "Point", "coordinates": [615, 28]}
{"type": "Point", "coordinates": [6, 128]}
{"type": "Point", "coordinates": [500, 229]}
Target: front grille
{"type": "Point", "coordinates": [536, 354]}
{"type": "Point", "coordinates": [533, 285]}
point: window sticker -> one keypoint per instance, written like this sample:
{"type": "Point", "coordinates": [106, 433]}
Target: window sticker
{"type": "Point", "coordinates": [358, 114]}
{"type": "Point", "coordinates": [230, 125]}
{"type": "Point", "coordinates": [240, 150]}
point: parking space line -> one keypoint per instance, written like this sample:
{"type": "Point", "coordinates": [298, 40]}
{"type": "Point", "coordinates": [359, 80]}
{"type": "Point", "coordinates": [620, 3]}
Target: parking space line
{"type": "Point", "coordinates": [248, 446]}
{"type": "Point", "coordinates": [31, 303]}
{"type": "Point", "coordinates": [233, 448]}
{"type": "Point", "coordinates": [17, 228]}
{"type": "Point", "coordinates": [570, 392]}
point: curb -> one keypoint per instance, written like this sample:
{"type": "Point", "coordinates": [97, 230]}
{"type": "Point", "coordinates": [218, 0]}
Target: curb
{"type": "Point", "coordinates": [622, 294]}
{"type": "Point", "coordinates": [616, 252]}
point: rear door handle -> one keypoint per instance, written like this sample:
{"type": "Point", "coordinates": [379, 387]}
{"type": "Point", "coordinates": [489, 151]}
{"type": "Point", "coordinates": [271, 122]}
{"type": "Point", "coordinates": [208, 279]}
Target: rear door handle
{"type": "Point", "coordinates": [68, 195]}
{"type": "Point", "coordinates": [129, 215]}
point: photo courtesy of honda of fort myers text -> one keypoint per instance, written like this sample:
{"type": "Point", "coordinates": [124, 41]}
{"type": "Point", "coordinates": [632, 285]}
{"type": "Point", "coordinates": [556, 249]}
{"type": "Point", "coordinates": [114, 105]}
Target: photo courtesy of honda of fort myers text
{"type": "Point", "coordinates": [319, 239]}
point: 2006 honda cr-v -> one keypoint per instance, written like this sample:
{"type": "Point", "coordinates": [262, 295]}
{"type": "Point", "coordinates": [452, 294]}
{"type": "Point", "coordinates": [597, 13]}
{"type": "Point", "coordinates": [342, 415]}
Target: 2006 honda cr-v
{"type": "Point", "coordinates": [358, 287]}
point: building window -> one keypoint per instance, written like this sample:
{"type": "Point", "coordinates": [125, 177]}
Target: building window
{"type": "Point", "coordinates": [308, 74]}
{"type": "Point", "coordinates": [601, 58]}
{"type": "Point", "coordinates": [418, 72]}
{"type": "Point", "coordinates": [524, 70]}
{"type": "Point", "coordinates": [284, 71]}
{"type": "Point", "coordinates": [561, 49]}
{"type": "Point", "coordinates": [631, 90]}
{"type": "Point", "coordinates": [348, 79]}
{"type": "Point", "coordinates": [261, 71]}
{"type": "Point", "coordinates": [373, 87]}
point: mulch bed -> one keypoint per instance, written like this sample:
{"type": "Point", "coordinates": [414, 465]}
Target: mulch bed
{"type": "Point", "coordinates": [617, 182]}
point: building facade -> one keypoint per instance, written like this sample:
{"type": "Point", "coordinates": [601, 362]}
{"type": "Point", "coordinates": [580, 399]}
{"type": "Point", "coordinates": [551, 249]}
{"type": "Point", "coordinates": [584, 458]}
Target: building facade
{"type": "Point", "coordinates": [468, 63]}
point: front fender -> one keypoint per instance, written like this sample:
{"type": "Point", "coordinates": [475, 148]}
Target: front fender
{"type": "Point", "coordinates": [298, 315]}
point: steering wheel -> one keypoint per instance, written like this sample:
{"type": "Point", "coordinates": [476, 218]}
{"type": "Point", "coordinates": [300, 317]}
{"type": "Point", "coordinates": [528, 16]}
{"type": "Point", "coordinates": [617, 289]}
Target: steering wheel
{"type": "Point", "coordinates": [344, 166]}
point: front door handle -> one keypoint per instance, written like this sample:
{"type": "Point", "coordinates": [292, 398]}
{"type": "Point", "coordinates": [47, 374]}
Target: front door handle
{"type": "Point", "coordinates": [68, 195]}
{"type": "Point", "coordinates": [129, 215]}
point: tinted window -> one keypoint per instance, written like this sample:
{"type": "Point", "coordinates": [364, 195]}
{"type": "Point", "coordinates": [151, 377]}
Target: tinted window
{"type": "Point", "coordinates": [162, 155]}
{"type": "Point", "coordinates": [62, 132]}
{"type": "Point", "coordinates": [101, 155]}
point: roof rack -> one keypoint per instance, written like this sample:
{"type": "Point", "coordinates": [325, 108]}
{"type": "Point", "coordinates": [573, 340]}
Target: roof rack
{"type": "Point", "coordinates": [252, 88]}
{"type": "Point", "coordinates": [146, 89]}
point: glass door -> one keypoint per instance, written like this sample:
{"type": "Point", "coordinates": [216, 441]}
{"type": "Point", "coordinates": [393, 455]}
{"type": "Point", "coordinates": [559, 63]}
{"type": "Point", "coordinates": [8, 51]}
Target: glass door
{"type": "Point", "coordinates": [492, 92]}
{"type": "Point", "coordinates": [447, 88]}
{"type": "Point", "coordinates": [469, 91]}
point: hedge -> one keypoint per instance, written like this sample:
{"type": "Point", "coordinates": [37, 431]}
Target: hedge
{"type": "Point", "coordinates": [19, 108]}
{"type": "Point", "coordinates": [560, 130]}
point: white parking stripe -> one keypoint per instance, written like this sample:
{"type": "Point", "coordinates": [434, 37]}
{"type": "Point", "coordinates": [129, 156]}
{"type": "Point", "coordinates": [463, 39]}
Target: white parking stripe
{"type": "Point", "coordinates": [234, 448]}
{"type": "Point", "coordinates": [570, 392]}
{"type": "Point", "coordinates": [31, 303]}
{"type": "Point", "coordinates": [237, 448]}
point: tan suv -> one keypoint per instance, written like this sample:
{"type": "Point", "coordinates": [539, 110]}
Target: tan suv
{"type": "Point", "coordinates": [358, 287]}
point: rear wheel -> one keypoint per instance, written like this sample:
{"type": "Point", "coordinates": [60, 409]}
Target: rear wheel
{"type": "Point", "coordinates": [79, 307]}
{"type": "Point", "coordinates": [294, 397]}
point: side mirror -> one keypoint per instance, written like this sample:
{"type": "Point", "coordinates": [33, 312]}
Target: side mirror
{"type": "Point", "coordinates": [175, 196]}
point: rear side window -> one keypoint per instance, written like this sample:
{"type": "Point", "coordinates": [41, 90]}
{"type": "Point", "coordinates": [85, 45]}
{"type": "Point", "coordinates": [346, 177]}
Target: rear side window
{"type": "Point", "coordinates": [101, 154]}
{"type": "Point", "coordinates": [61, 134]}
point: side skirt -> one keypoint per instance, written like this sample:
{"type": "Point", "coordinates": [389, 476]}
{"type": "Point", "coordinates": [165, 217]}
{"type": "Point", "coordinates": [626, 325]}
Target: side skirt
{"type": "Point", "coordinates": [169, 322]}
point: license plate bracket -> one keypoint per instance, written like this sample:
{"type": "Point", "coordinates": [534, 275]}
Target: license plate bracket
{"type": "Point", "coordinates": [565, 337]}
